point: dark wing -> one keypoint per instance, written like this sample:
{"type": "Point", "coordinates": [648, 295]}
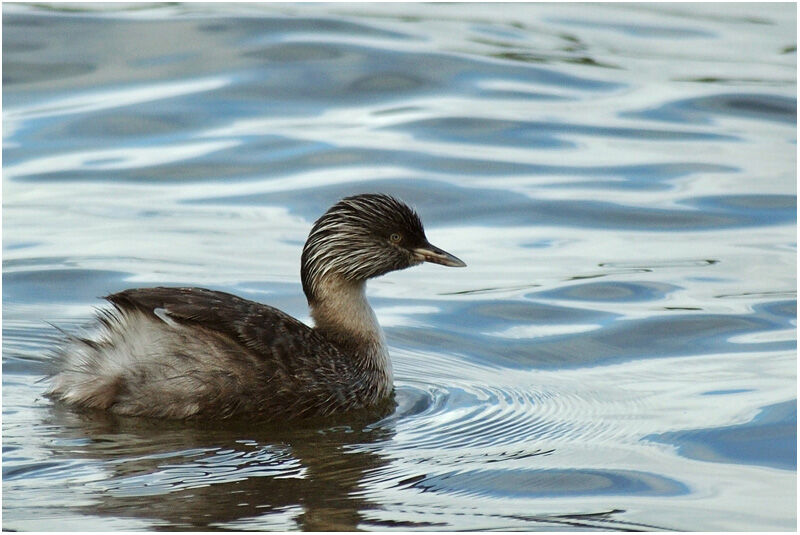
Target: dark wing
{"type": "Point", "coordinates": [265, 330]}
{"type": "Point", "coordinates": [280, 366]}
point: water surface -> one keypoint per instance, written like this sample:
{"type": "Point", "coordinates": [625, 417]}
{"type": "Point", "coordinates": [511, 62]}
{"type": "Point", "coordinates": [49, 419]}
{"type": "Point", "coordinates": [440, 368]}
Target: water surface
{"type": "Point", "coordinates": [620, 179]}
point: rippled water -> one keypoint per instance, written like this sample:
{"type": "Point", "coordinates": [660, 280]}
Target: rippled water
{"type": "Point", "coordinates": [619, 354]}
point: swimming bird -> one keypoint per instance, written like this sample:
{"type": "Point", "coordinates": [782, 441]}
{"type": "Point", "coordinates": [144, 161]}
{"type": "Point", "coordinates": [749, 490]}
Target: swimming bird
{"type": "Point", "coordinates": [186, 353]}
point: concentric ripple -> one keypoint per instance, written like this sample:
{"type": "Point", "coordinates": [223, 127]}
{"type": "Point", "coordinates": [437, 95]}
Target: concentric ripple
{"type": "Point", "coordinates": [487, 407]}
{"type": "Point", "coordinates": [468, 406]}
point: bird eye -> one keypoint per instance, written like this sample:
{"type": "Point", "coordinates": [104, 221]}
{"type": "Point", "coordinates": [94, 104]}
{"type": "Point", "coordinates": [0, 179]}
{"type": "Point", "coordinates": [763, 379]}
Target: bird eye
{"type": "Point", "coordinates": [395, 237]}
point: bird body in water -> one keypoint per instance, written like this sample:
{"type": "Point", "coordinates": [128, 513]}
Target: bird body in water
{"type": "Point", "coordinates": [196, 353]}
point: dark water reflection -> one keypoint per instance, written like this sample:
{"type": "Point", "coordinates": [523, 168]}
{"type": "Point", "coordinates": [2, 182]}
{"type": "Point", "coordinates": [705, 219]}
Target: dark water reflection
{"type": "Point", "coordinates": [702, 110]}
{"type": "Point", "coordinates": [620, 179]}
{"type": "Point", "coordinates": [205, 476]}
{"type": "Point", "coordinates": [764, 441]}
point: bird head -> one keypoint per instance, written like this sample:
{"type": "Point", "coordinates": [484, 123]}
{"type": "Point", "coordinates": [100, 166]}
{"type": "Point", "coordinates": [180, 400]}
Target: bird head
{"type": "Point", "coordinates": [365, 236]}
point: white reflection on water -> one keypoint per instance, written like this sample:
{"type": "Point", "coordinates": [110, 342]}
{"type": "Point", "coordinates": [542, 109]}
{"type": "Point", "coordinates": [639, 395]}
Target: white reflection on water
{"type": "Point", "coordinates": [109, 98]}
{"type": "Point", "coordinates": [537, 331]}
{"type": "Point", "coordinates": [113, 159]}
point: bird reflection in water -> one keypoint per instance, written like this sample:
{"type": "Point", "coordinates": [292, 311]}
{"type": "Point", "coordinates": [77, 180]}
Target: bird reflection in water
{"type": "Point", "coordinates": [231, 475]}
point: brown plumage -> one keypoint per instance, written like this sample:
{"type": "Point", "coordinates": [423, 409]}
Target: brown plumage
{"type": "Point", "coordinates": [192, 352]}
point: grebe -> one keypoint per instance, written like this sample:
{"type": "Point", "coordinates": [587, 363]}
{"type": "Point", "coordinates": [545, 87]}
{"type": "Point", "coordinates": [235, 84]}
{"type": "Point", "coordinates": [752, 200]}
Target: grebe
{"type": "Point", "coordinates": [195, 353]}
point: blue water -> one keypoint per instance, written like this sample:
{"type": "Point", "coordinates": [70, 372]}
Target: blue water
{"type": "Point", "coordinates": [619, 354]}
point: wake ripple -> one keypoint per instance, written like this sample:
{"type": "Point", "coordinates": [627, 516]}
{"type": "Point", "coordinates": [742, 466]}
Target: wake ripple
{"type": "Point", "coordinates": [461, 404]}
